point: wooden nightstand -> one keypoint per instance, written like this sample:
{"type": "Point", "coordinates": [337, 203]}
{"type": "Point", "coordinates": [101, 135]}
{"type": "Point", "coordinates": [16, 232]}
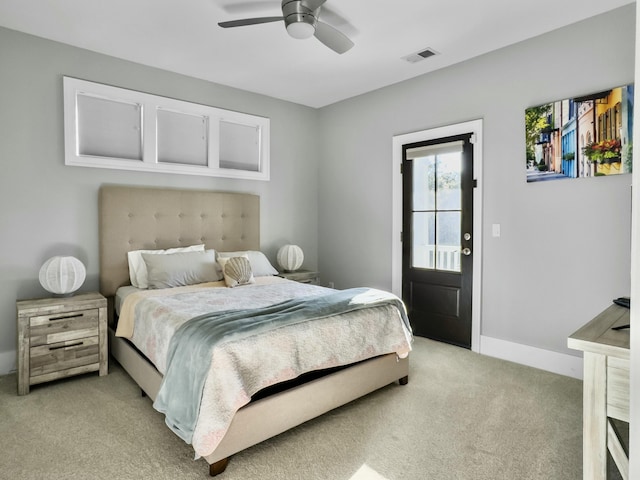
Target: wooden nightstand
{"type": "Point", "coordinates": [302, 276]}
{"type": "Point", "coordinates": [61, 337]}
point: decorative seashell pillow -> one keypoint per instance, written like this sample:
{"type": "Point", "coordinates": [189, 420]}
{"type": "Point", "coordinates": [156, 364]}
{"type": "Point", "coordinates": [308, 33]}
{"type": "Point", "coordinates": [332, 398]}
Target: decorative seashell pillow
{"type": "Point", "coordinates": [236, 270]}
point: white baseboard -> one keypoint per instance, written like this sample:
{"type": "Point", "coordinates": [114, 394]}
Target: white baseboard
{"type": "Point", "coordinates": [555, 362]}
{"type": "Point", "coordinates": [7, 362]}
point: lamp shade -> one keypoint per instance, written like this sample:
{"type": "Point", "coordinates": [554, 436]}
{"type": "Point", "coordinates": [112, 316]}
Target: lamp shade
{"type": "Point", "coordinates": [290, 257]}
{"type": "Point", "coordinates": [62, 275]}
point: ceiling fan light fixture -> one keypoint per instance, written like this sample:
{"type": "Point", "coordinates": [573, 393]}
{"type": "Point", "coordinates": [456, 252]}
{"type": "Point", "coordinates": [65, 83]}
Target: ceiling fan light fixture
{"type": "Point", "coordinates": [300, 30]}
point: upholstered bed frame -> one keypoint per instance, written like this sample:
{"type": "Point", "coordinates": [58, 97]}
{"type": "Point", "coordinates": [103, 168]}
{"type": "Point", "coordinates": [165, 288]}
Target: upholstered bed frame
{"type": "Point", "coordinates": [133, 218]}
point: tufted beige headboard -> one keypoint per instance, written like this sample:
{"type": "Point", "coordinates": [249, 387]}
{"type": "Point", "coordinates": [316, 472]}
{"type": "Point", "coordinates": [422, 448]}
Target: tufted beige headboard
{"type": "Point", "coordinates": [133, 218]}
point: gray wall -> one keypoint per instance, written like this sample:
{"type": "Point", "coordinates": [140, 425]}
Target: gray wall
{"type": "Point", "coordinates": [564, 250]}
{"type": "Point", "coordinates": [47, 208]}
{"type": "Point", "coordinates": [565, 247]}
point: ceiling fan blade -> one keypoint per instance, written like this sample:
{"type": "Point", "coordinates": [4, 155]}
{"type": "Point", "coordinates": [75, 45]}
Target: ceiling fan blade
{"type": "Point", "coordinates": [249, 21]}
{"type": "Point", "coordinates": [336, 20]}
{"type": "Point", "coordinates": [332, 38]}
{"type": "Point", "coordinates": [312, 4]}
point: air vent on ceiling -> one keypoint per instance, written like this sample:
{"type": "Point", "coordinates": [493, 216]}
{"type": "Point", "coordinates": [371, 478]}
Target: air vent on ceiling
{"type": "Point", "coordinates": [421, 55]}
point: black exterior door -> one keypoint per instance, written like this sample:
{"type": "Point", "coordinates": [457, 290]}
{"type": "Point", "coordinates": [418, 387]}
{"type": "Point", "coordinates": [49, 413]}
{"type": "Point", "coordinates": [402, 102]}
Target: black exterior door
{"type": "Point", "coordinates": [437, 248]}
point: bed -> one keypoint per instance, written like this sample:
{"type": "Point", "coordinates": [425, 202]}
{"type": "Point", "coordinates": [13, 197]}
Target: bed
{"type": "Point", "coordinates": [134, 218]}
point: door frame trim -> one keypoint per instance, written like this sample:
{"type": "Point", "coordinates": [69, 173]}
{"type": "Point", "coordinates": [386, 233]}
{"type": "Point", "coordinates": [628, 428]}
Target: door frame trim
{"type": "Point", "coordinates": [474, 127]}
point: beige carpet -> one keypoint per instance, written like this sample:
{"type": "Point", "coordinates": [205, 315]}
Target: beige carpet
{"type": "Point", "coordinates": [462, 416]}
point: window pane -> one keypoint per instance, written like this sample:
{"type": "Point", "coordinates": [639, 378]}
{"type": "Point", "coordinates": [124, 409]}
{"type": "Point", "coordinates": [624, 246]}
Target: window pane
{"type": "Point", "coordinates": [424, 184]}
{"type": "Point", "coordinates": [449, 190]}
{"type": "Point", "coordinates": [423, 241]}
{"type": "Point", "coordinates": [239, 146]}
{"type": "Point", "coordinates": [182, 138]}
{"type": "Point", "coordinates": [448, 241]}
{"type": "Point", "coordinates": [109, 128]}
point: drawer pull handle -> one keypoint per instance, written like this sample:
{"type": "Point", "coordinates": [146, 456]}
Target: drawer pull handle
{"type": "Point", "coordinates": [66, 346]}
{"type": "Point", "coordinates": [66, 317]}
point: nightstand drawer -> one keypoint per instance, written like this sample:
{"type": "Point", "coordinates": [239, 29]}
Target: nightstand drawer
{"type": "Point", "coordinates": [64, 355]}
{"type": "Point", "coordinates": [63, 327]}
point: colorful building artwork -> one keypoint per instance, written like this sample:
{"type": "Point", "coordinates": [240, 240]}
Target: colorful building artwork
{"type": "Point", "coordinates": [586, 136]}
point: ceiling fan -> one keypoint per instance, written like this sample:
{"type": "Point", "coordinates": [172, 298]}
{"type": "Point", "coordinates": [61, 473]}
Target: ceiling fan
{"type": "Point", "coordinates": [301, 18]}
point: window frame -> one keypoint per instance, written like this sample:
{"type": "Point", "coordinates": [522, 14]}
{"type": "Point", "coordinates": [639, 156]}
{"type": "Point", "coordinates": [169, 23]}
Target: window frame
{"type": "Point", "coordinates": [150, 105]}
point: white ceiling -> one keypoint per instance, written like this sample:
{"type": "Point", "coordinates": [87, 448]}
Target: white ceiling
{"type": "Point", "coordinates": [183, 36]}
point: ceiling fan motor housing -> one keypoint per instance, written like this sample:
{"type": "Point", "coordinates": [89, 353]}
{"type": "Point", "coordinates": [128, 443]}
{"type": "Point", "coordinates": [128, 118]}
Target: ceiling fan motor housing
{"type": "Point", "coordinates": [299, 20]}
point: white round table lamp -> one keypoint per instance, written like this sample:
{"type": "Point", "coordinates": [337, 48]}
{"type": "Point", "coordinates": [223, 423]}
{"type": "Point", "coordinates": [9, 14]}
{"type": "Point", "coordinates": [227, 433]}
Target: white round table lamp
{"type": "Point", "coordinates": [62, 275]}
{"type": "Point", "coordinates": [290, 257]}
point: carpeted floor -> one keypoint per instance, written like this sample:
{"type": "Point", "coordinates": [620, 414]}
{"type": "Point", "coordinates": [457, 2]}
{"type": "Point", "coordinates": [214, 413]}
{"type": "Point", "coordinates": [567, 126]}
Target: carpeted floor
{"type": "Point", "coordinates": [462, 416]}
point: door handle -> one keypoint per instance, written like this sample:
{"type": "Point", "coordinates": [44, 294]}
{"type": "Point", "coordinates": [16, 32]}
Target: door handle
{"type": "Point", "coordinates": [466, 251]}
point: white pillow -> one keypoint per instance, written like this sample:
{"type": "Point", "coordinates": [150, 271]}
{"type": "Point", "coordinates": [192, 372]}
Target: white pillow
{"type": "Point", "coordinates": [181, 268]}
{"type": "Point", "coordinates": [138, 269]}
{"type": "Point", "coordinates": [260, 265]}
{"type": "Point", "coordinates": [236, 270]}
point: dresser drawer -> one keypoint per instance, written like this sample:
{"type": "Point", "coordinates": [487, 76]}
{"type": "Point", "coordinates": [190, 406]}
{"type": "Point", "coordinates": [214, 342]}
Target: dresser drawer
{"type": "Point", "coordinates": [618, 388]}
{"type": "Point", "coordinates": [63, 327]}
{"type": "Point", "coordinates": [57, 357]}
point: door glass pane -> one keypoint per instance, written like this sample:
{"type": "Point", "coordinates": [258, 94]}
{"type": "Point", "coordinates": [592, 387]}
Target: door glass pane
{"type": "Point", "coordinates": [448, 241]}
{"type": "Point", "coordinates": [437, 207]}
{"type": "Point", "coordinates": [423, 241]}
{"type": "Point", "coordinates": [449, 182]}
{"type": "Point", "coordinates": [424, 184]}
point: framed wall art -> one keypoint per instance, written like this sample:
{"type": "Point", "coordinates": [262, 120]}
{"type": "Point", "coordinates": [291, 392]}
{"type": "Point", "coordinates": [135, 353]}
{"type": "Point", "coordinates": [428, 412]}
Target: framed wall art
{"type": "Point", "coordinates": [586, 136]}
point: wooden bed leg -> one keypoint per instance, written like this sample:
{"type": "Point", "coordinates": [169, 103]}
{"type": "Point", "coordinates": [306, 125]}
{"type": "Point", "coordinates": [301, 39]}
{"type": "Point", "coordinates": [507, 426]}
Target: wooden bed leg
{"type": "Point", "coordinates": [218, 467]}
{"type": "Point", "coordinates": [143, 393]}
{"type": "Point", "coordinates": [404, 380]}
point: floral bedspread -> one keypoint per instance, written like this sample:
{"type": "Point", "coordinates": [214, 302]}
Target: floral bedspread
{"type": "Point", "coordinates": [240, 368]}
